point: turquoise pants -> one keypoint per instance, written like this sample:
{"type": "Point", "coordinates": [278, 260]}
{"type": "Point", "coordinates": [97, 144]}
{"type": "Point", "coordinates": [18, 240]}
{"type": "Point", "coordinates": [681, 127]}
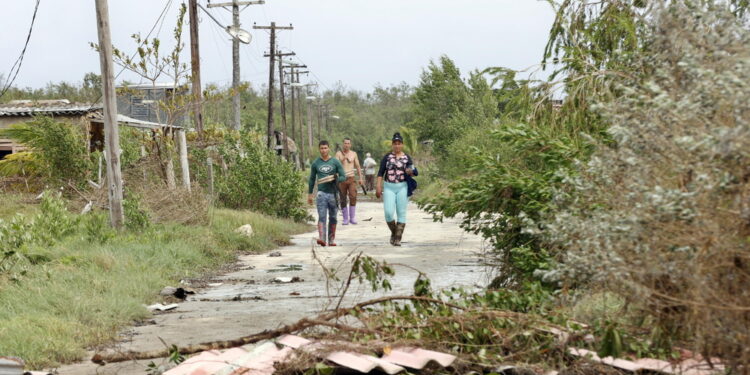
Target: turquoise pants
{"type": "Point", "coordinates": [395, 201]}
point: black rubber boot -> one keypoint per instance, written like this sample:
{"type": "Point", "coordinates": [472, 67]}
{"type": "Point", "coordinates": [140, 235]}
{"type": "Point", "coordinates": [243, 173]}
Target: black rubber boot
{"type": "Point", "coordinates": [398, 234]}
{"type": "Point", "coordinates": [392, 227]}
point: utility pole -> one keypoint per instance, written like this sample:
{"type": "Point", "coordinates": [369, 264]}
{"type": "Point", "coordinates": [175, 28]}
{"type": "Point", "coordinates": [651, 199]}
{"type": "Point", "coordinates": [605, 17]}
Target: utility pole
{"type": "Point", "coordinates": [309, 119]}
{"type": "Point", "coordinates": [272, 56]}
{"type": "Point", "coordinates": [291, 84]}
{"type": "Point", "coordinates": [301, 137]}
{"type": "Point", "coordinates": [235, 4]}
{"type": "Point", "coordinates": [320, 117]}
{"type": "Point", "coordinates": [195, 62]}
{"type": "Point", "coordinates": [111, 131]}
{"type": "Point", "coordinates": [282, 99]}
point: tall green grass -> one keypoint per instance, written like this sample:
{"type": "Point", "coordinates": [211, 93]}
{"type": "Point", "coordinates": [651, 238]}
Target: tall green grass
{"type": "Point", "coordinates": [81, 292]}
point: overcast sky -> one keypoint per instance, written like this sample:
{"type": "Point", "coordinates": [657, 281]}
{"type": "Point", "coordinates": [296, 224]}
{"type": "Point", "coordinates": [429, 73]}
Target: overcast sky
{"type": "Point", "coordinates": [358, 42]}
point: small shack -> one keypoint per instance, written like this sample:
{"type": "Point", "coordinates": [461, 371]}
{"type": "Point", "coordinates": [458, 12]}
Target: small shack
{"type": "Point", "coordinates": [141, 102]}
{"type": "Point", "coordinates": [19, 111]}
{"type": "Point", "coordinates": [88, 116]}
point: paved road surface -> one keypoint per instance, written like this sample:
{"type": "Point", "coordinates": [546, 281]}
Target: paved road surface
{"type": "Point", "coordinates": [248, 301]}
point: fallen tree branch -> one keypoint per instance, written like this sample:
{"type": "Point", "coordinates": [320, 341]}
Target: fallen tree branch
{"type": "Point", "coordinates": [322, 319]}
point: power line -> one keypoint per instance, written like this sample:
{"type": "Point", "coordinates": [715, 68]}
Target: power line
{"type": "Point", "coordinates": [163, 13]}
{"type": "Point", "coordinates": [19, 61]}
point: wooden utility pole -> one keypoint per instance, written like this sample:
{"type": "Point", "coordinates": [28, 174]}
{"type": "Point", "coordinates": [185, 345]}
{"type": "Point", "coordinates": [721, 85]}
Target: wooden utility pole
{"type": "Point", "coordinates": [195, 62]}
{"type": "Point", "coordinates": [291, 83]}
{"type": "Point", "coordinates": [111, 131]}
{"type": "Point", "coordinates": [310, 121]}
{"type": "Point", "coordinates": [282, 100]}
{"type": "Point", "coordinates": [272, 56]}
{"type": "Point", "coordinates": [235, 4]}
{"type": "Point", "coordinates": [184, 158]}
{"type": "Point", "coordinates": [301, 137]}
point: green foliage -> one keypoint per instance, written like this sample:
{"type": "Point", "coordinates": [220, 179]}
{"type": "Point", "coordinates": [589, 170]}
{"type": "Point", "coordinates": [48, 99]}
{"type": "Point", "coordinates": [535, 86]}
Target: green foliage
{"type": "Point", "coordinates": [446, 106]}
{"type": "Point", "coordinates": [136, 216]}
{"type": "Point", "coordinates": [258, 180]}
{"type": "Point", "coordinates": [21, 164]}
{"type": "Point", "coordinates": [88, 90]}
{"type": "Point", "coordinates": [60, 148]}
{"type": "Point", "coordinates": [51, 224]}
{"type": "Point", "coordinates": [94, 281]}
{"type": "Point", "coordinates": [96, 227]}
{"type": "Point", "coordinates": [504, 188]}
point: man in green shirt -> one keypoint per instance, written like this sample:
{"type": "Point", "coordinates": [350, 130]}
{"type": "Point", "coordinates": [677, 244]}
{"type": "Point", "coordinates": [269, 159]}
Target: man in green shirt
{"type": "Point", "coordinates": [327, 171]}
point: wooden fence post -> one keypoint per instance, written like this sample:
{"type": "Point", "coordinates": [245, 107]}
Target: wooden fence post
{"type": "Point", "coordinates": [184, 159]}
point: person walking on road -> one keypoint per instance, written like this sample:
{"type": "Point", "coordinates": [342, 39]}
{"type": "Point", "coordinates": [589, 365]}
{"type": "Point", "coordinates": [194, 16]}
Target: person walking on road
{"type": "Point", "coordinates": [348, 188]}
{"type": "Point", "coordinates": [326, 171]}
{"type": "Point", "coordinates": [369, 165]}
{"type": "Point", "coordinates": [392, 186]}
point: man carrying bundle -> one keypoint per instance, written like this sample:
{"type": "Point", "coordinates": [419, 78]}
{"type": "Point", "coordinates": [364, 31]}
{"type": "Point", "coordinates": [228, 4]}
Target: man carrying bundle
{"type": "Point", "coordinates": [326, 171]}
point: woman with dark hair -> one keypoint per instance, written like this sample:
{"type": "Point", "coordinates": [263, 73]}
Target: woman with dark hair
{"type": "Point", "coordinates": [392, 186]}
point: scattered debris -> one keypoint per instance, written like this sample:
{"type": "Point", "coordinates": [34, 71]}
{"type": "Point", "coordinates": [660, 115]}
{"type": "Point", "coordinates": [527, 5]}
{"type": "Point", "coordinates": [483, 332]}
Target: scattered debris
{"type": "Point", "coordinates": [141, 323]}
{"type": "Point", "coordinates": [160, 307]}
{"type": "Point", "coordinates": [213, 285]}
{"type": "Point", "coordinates": [688, 367]}
{"type": "Point", "coordinates": [294, 293]}
{"type": "Point", "coordinates": [180, 293]}
{"type": "Point", "coordinates": [368, 219]}
{"type": "Point", "coordinates": [275, 254]}
{"type": "Point", "coordinates": [87, 208]}
{"type": "Point", "coordinates": [286, 280]}
{"type": "Point", "coordinates": [513, 370]}
{"type": "Point", "coordinates": [245, 230]}
{"type": "Point", "coordinates": [262, 356]}
{"type": "Point", "coordinates": [11, 366]}
{"type": "Point", "coordinates": [286, 268]}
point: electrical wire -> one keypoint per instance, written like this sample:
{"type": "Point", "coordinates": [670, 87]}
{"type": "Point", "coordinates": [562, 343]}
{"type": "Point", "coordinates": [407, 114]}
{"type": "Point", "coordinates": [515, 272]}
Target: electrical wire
{"type": "Point", "coordinates": [19, 61]}
{"type": "Point", "coordinates": [160, 18]}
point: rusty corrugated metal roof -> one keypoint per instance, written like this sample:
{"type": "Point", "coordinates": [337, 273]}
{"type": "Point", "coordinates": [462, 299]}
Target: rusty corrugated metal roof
{"type": "Point", "coordinates": [260, 358]}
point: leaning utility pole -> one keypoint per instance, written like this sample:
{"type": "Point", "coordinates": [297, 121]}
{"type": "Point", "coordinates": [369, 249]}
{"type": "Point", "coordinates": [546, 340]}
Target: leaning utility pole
{"type": "Point", "coordinates": [235, 4]}
{"type": "Point", "coordinates": [272, 56]}
{"type": "Point", "coordinates": [195, 62]}
{"type": "Point", "coordinates": [111, 131]}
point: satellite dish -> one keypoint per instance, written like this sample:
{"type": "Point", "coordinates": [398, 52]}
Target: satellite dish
{"type": "Point", "coordinates": [239, 34]}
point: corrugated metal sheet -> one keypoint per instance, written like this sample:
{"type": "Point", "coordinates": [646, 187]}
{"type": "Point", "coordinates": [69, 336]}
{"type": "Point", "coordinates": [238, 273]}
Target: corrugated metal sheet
{"type": "Point", "coordinates": [686, 367]}
{"type": "Point", "coordinates": [260, 358]}
{"type": "Point", "coordinates": [53, 109]}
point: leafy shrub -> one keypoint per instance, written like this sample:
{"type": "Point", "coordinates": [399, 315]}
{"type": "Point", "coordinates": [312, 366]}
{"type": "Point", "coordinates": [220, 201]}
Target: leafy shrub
{"type": "Point", "coordinates": [51, 224]}
{"type": "Point", "coordinates": [257, 179]}
{"type": "Point", "coordinates": [502, 189]}
{"type": "Point", "coordinates": [662, 216]}
{"type": "Point", "coordinates": [136, 217]}
{"type": "Point", "coordinates": [61, 148]}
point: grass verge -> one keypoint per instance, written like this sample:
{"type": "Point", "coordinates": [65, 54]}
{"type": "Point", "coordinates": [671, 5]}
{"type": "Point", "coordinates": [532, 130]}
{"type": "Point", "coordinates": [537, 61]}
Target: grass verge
{"type": "Point", "coordinates": [78, 293]}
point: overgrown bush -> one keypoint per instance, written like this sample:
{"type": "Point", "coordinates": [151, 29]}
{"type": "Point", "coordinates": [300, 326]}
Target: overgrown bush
{"type": "Point", "coordinates": [60, 148]}
{"type": "Point", "coordinates": [662, 217]}
{"type": "Point", "coordinates": [258, 180]}
{"type": "Point", "coordinates": [52, 223]}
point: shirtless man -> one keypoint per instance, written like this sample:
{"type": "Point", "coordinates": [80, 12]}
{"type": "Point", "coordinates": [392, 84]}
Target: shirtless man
{"type": "Point", "coordinates": [348, 188]}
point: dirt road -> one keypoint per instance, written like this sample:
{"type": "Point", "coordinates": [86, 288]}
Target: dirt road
{"type": "Point", "coordinates": [248, 300]}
